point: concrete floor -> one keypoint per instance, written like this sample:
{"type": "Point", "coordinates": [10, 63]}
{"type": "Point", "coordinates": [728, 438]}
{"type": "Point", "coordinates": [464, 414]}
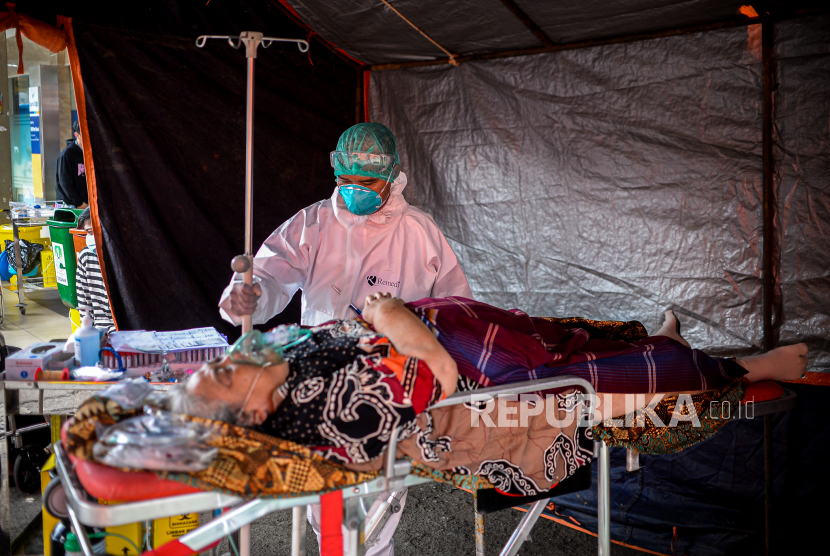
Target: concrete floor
{"type": "Point", "coordinates": [46, 317]}
{"type": "Point", "coordinates": [438, 521]}
{"type": "Point", "coordinates": [24, 508]}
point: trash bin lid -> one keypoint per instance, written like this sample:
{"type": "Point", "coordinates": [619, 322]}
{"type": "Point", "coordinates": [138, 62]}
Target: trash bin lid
{"type": "Point", "coordinates": [65, 218]}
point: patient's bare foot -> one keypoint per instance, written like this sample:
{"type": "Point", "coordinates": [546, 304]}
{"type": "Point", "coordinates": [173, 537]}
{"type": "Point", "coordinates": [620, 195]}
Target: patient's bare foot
{"type": "Point", "coordinates": [671, 329]}
{"type": "Point", "coordinates": [784, 363]}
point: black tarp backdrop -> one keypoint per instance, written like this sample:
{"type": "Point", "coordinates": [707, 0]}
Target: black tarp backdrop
{"type": "Point", "coordinates": [167, 128]}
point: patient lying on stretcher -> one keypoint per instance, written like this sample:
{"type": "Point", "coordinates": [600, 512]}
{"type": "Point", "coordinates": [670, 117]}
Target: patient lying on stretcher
{"type": "Point", "coordinates": [345, 388]}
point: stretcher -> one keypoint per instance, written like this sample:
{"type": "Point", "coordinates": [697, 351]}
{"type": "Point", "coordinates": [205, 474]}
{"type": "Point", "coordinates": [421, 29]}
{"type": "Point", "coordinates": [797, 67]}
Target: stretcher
{"type": "Point", "coordinates": [149, 497]}
{"type": "Point", "coordinates": [153, 498]}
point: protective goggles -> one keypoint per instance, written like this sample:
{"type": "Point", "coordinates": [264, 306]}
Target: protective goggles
{"type": "Point", "coordinates": [368, 162]}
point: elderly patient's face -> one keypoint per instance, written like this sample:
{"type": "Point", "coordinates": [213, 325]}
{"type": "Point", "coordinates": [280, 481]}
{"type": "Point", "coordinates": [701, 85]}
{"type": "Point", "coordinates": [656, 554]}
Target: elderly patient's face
{"type": "Point", "coordinates": [230, 382]}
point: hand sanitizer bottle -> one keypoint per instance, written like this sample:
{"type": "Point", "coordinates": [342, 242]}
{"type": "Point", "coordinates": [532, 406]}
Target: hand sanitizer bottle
{"type": "Point", "coordinates": [87, 342]}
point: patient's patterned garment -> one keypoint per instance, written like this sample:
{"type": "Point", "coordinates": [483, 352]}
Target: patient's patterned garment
{"type": "Point", "coordinates": [347, 390]}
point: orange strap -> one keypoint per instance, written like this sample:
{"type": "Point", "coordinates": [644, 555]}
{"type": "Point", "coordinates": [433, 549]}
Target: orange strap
{"type": "Point", "coordinates": [36, 31]}
{"type": "Point", "coordinates": [89, 163]}
{"type": "Point", "coordinates": [816, 379]}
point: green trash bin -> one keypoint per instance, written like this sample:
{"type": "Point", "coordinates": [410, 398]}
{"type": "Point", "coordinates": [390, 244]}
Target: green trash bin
{"type": "Point", "coordinates": [63, 249]}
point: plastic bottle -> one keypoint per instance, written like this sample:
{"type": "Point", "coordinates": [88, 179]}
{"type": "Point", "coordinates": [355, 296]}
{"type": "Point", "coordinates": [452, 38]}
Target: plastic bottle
{"type": "Point", "coordinates": [87, 342]}
{"type": "Point", "coordinates": [29, 198]}
{"type": "Point", "coordinates": [72, 547]}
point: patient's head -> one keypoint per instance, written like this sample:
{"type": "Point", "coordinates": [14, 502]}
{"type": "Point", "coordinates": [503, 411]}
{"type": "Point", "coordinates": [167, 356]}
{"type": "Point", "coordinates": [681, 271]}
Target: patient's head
{"type": "Point", "coordinates": [239, 393]}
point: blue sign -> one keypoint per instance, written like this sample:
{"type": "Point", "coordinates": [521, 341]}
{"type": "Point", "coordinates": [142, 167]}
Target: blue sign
{"type": "Point", "coordinates": [34, 123]}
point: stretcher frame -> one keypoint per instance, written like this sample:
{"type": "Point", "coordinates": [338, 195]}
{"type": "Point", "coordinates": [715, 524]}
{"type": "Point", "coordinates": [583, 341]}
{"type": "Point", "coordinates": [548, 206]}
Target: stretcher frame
{"type": "Point", "coordinates": [83, 510]}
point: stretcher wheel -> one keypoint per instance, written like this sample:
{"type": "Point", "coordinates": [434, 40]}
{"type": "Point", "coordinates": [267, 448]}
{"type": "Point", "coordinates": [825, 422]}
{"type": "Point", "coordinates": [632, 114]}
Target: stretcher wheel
{"type": "Point", "coordinates": [54, 499]}
{"type": "Point", "coordinates": [27, 468]}
{"type": "Point", "coordinates": [22, 310]}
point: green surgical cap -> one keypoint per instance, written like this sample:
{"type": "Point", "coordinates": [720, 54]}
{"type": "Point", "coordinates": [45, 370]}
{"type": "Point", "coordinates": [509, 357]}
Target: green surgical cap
{"type": "Point", "coordinates": [368, 138]}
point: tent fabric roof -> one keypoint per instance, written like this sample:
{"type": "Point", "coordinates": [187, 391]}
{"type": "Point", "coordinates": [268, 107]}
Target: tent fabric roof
{"type": "Point", "coordinates": [373, 34]}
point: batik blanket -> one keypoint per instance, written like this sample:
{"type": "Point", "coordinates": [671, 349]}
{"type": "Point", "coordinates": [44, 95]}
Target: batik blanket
{"type": "Point", "coordinates": [249, 464]}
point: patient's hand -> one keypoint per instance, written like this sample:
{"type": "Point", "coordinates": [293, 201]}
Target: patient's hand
{"type": "Point", "coordinates": [376, 301]}
{"type": "Point", "coordinates": [411, 337]}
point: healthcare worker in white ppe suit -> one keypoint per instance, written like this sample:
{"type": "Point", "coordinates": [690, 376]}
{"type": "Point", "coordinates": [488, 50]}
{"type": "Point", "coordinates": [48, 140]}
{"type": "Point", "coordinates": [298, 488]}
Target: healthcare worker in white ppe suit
{"type": "Point", "coordinates": [364, 239]}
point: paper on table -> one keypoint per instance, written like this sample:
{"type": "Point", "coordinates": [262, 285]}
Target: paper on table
{"type": "Point", "coordinates": [177, 340]}
{"type": "Point", "coordinates": [160, 342]}
{"type": "Point", "coordinates": [135, 340]}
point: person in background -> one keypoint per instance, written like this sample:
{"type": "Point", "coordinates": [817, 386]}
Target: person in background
{"type": "Point", "coordinates": [70, 186]}
{"type": "Point", "coordinates": [364, 239]}
{"type": "Point", "coordinates": [89, 283]}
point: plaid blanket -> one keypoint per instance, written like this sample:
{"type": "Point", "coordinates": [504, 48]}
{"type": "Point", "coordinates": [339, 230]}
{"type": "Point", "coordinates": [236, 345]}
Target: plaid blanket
{"type": "Point", "coordinates": [492, 346]}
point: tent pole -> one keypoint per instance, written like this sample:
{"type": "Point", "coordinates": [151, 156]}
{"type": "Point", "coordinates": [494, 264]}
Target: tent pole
{"type": "Point", "coordinates": [716, 26]}
{"type": "Point", "coordinates": [768, 269]}
{"type": "Point", "coordinates": [768, 188]}
{"type": "Point", "coordinates": [572, 46]}
{"type": "Point", "coordinates": [537, 31]}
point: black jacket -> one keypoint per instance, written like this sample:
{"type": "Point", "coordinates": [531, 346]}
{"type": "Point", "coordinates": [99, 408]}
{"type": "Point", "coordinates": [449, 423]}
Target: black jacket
{"type": "Point", "coordinates": [70, 186]}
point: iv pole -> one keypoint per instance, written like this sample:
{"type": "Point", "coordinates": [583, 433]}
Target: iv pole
{"type": "Point", "coordinates": [244, 264]}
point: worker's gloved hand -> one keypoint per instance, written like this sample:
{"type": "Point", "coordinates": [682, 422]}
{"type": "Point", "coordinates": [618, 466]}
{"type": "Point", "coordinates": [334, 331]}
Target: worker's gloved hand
{"type": "Point", "coordinates": [244, 298]}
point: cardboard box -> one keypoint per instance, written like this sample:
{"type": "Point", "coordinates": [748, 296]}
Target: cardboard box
{"type": "Point", "coordinates": [22, 365]}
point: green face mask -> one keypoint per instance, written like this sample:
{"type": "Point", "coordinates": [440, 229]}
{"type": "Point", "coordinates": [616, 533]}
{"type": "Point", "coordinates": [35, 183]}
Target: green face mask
{"type": "Point", "coordinates": [361, 200]}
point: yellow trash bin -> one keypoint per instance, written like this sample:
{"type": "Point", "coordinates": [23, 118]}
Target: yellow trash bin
{"type": "Point", "coordinates": [47, 265]}
{"type": "Point", "coordinates": [169, 528]}
{"type": "Point", "coordinates": [132, 531]}
{"type": "Point", "coordinates": [32, 235]}
{"type": "Point", "coordinates": [75, 319]}
{"type": "Point", "coordinates": [49, 521]}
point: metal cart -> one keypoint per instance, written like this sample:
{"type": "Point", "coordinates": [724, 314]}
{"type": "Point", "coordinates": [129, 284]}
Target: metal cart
{"type": "Point", "coordinates": [26, 219]}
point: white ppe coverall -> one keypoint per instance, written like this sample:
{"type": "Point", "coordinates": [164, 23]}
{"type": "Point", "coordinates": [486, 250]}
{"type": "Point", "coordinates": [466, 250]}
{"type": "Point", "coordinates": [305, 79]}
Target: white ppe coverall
{"type": "Point", "coordinates": [398, 249]}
